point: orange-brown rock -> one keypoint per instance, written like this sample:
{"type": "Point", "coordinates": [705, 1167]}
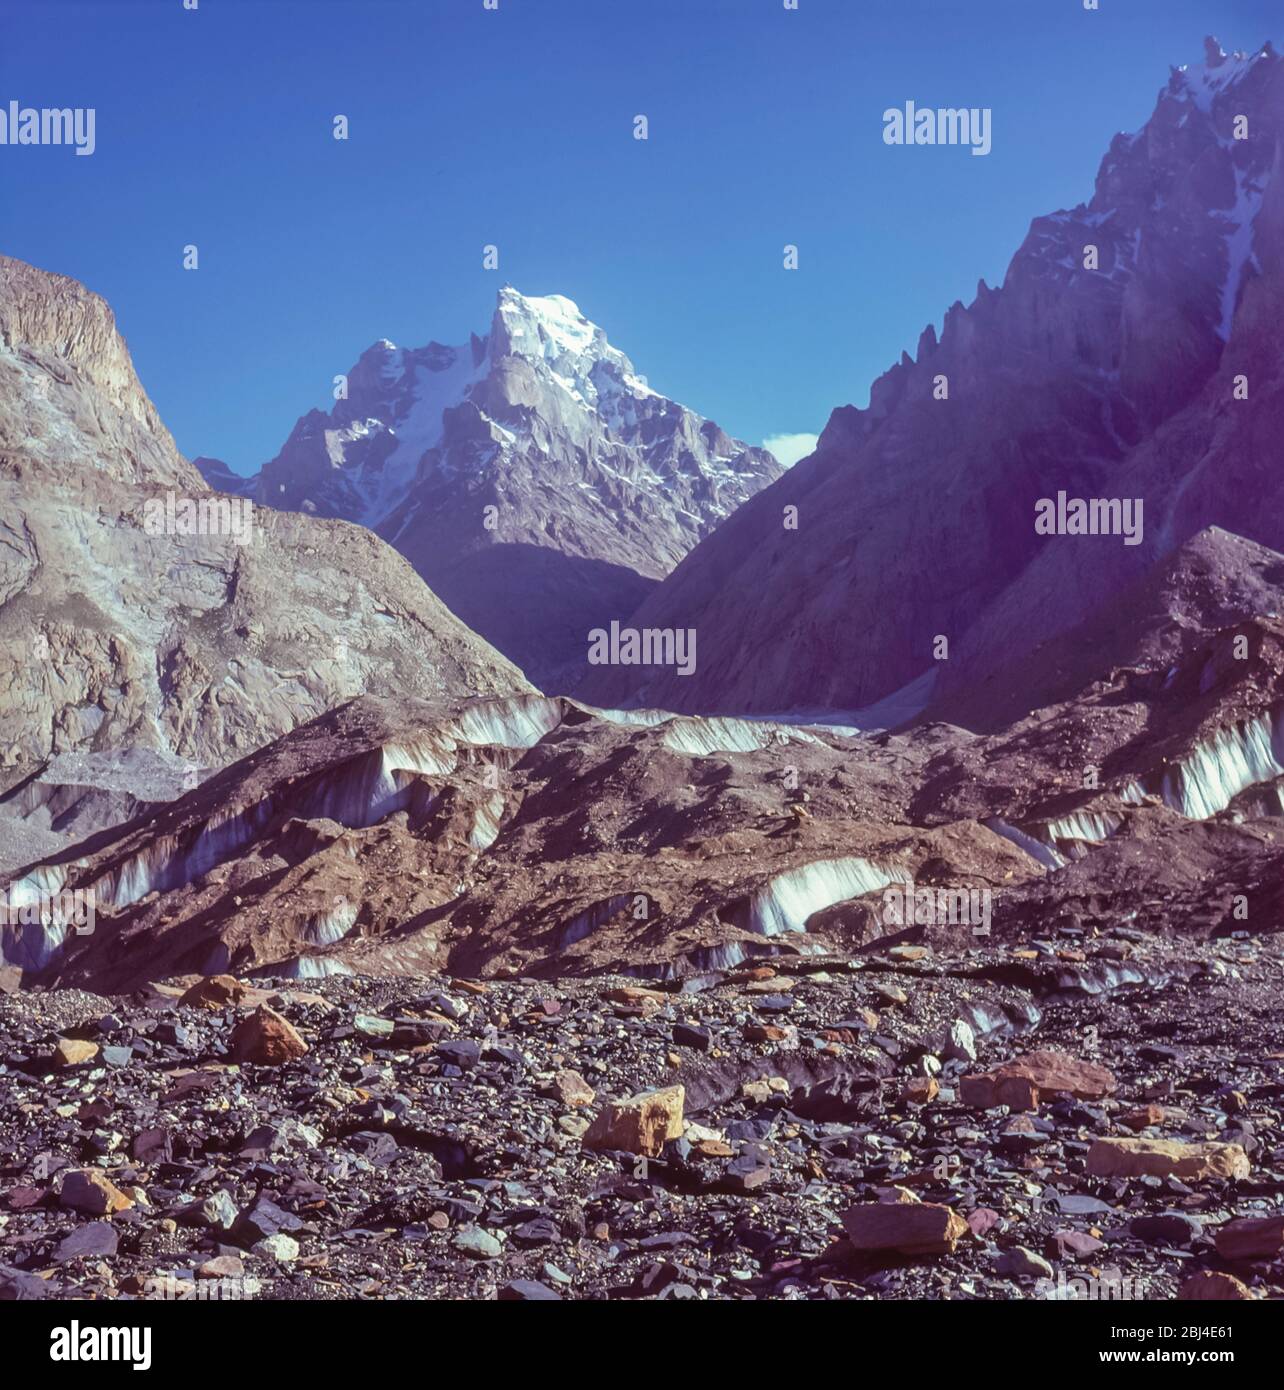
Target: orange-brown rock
{"type": "Point", "coordinates": [72, 1052]}
{"type": "Point", "coordinates": [1251, 1238]}
{"type": "Point", "coordinates": [640, 1124]}
{"type": "Point", "coordinates": [267, 1039]}
{"type": "Point", "coordinates": [1164, 1158]}
{"type": "Point", "coordinates": [1213, 1286]}
{"type": "Point", "coordinates": [1045, 1072]}
{"type": "Point", "coordinates": [765, 1032]}
{"type": "Point", "coordinates": [571, 1089]}
{"type": "Point", "coordinates": [91, 1191]}
{"type": "Point", "coordinates": [215, 993]}
{"type": "Point", "coordinates": [920, 1090]}
{"type": "Point", "coordinates": [1142, 1117]}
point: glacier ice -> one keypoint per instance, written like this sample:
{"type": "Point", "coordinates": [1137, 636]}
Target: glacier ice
{"type": "Point", "coordinates": [308, 968]}
{"type": "Point", "coordinates": [488, 818]}
{"type": "Point", "coordinates": [1045, 854]}
{"type": "Point", "coordinates": [517, 723]}
{"type": "Point", "coordinates": [32, 945]}
{"type": "Point", "coordinates": [586, 923]}
{"type": "Point", "coordinates": [701, 737]}
{"type": "Point", "coordinates": [1218, 769]}
{"type": "Point", "coordinates": [325, 928]}
{"type": "Point", "coordinates": [786, 901]}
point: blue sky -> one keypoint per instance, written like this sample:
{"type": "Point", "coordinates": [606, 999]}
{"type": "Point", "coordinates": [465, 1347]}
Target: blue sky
{"type": "Point", "coordinates": [515, 127]}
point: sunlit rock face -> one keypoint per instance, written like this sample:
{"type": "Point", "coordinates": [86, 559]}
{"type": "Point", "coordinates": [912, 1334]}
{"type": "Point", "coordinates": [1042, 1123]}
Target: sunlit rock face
{"type": "Point", "coordinates": [121, 631]}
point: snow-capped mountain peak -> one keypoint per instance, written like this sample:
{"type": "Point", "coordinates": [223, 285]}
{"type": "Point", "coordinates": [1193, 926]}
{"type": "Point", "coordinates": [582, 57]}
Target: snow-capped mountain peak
{"type": "Point", "coordinates": [550, 331]}
{"type": "Point", "coordinates": [544, 425]}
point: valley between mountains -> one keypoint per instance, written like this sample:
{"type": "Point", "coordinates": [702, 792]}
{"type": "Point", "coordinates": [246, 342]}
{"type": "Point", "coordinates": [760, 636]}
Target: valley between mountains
{"type": "Point", "coordinates": [362, 938]}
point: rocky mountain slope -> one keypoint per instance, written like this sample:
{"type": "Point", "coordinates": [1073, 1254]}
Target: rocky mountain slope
{"type": "Point", "coordinates": [1155, 374]}
{"type": "Point", "coordinates": [536, 482]}
{"type": "Point", "coordinates": [537, 836]}
{"type": "Point", "coordinates": [118, 630]}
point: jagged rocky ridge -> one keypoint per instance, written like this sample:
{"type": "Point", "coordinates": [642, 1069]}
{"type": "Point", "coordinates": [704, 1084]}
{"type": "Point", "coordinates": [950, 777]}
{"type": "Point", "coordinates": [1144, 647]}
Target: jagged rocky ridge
{"type": "Point", "coordinates": [598, 484]}
{"type": "Point", "coordinates": [916, 515]}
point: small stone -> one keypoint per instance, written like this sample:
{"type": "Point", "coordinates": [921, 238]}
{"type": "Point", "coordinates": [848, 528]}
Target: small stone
{"type": "Point", "coordinates": [472, 1240]}
{"type": "Point", "coordinates": [215, 993]}
{"type": "Point", "coordinates": [218, 1212]}
{"type": "Point", "coordinates": [265, 1218]}
{"type": "Point", "coordinates": [1170, 1228]}
{"type": "Point", "coordinates": [688, 1035]}
{"type": "Point", "coordinates": [1143, 1117]}
{"type": "Point", "coordinates": [713, 1148]}
{"type": "Point", "coordinates": [1023, 1263]}
{"type": "Point", "coordinates": [281, 1248]}
{"type": "Point", "coordinates": [910, 953]}
{"type": "Point", "coordinates": [913, 1228]}
{"type": "Point", "coordinates": [1076, 1244]}
{"type": "Point", "coordinates": [463, 1053]}
{"type": "Point", "coordinates": [88, 1190]}
{"type": "Point", "coordinates": [983, 1220]}
{"type": "Point", "coordinates": [1021, 1082]}
{"type": "Point", "coordinates": [267, 1039]}
{"type": "Point", "coordinates": [528, 1291]}
{"type": "Point", "coordinates": [222, 1267]}
{"type": "Point", "coordinates": [775, 1003]}
{"type": "Point", "coordinates": [1165, 1158]}
{"type": "Point", "coordinates": [960, 1045]}
{"type": "Point", "coordinates": [72, 1052]}
{"type": "Point", "coordinates": [1251, 1238]}
{"type": "Point", "coordinates": [18, 1286]}
{"type": "Point", "coordinates": [571, 1089]}
{"type": "Point", "coordinates": [920, 1090]}
{"type": "Point", "coordinates": [371, 1026]}
{"type": "Point", "coordinates": [634, 995]}
{"type": "Point", "coordinates": [93, 1240]}
{"type": "Point", "coordinates": [639, 1125]}
{"type": "Point", "coordinates": [765, 1032]}
{"type": "Point", "coordinates": [1212, 1286]}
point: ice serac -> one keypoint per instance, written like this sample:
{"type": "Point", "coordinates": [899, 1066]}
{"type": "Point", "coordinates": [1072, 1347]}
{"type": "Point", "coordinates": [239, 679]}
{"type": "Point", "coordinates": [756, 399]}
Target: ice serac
{"type": "Point", "coordinates": [1105, 365]}
{"type": "Point", "coordinates": [531, 476]}
{"type": "Point", "coordinates": [118, 639]}
{"type": "Point", "coordinates": [1227, 763]}
{"type": "Point", "coordinates": [786, 902]}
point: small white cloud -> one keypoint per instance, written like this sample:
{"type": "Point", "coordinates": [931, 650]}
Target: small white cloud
{"type": "Point", "coordinates": [789, 448]}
